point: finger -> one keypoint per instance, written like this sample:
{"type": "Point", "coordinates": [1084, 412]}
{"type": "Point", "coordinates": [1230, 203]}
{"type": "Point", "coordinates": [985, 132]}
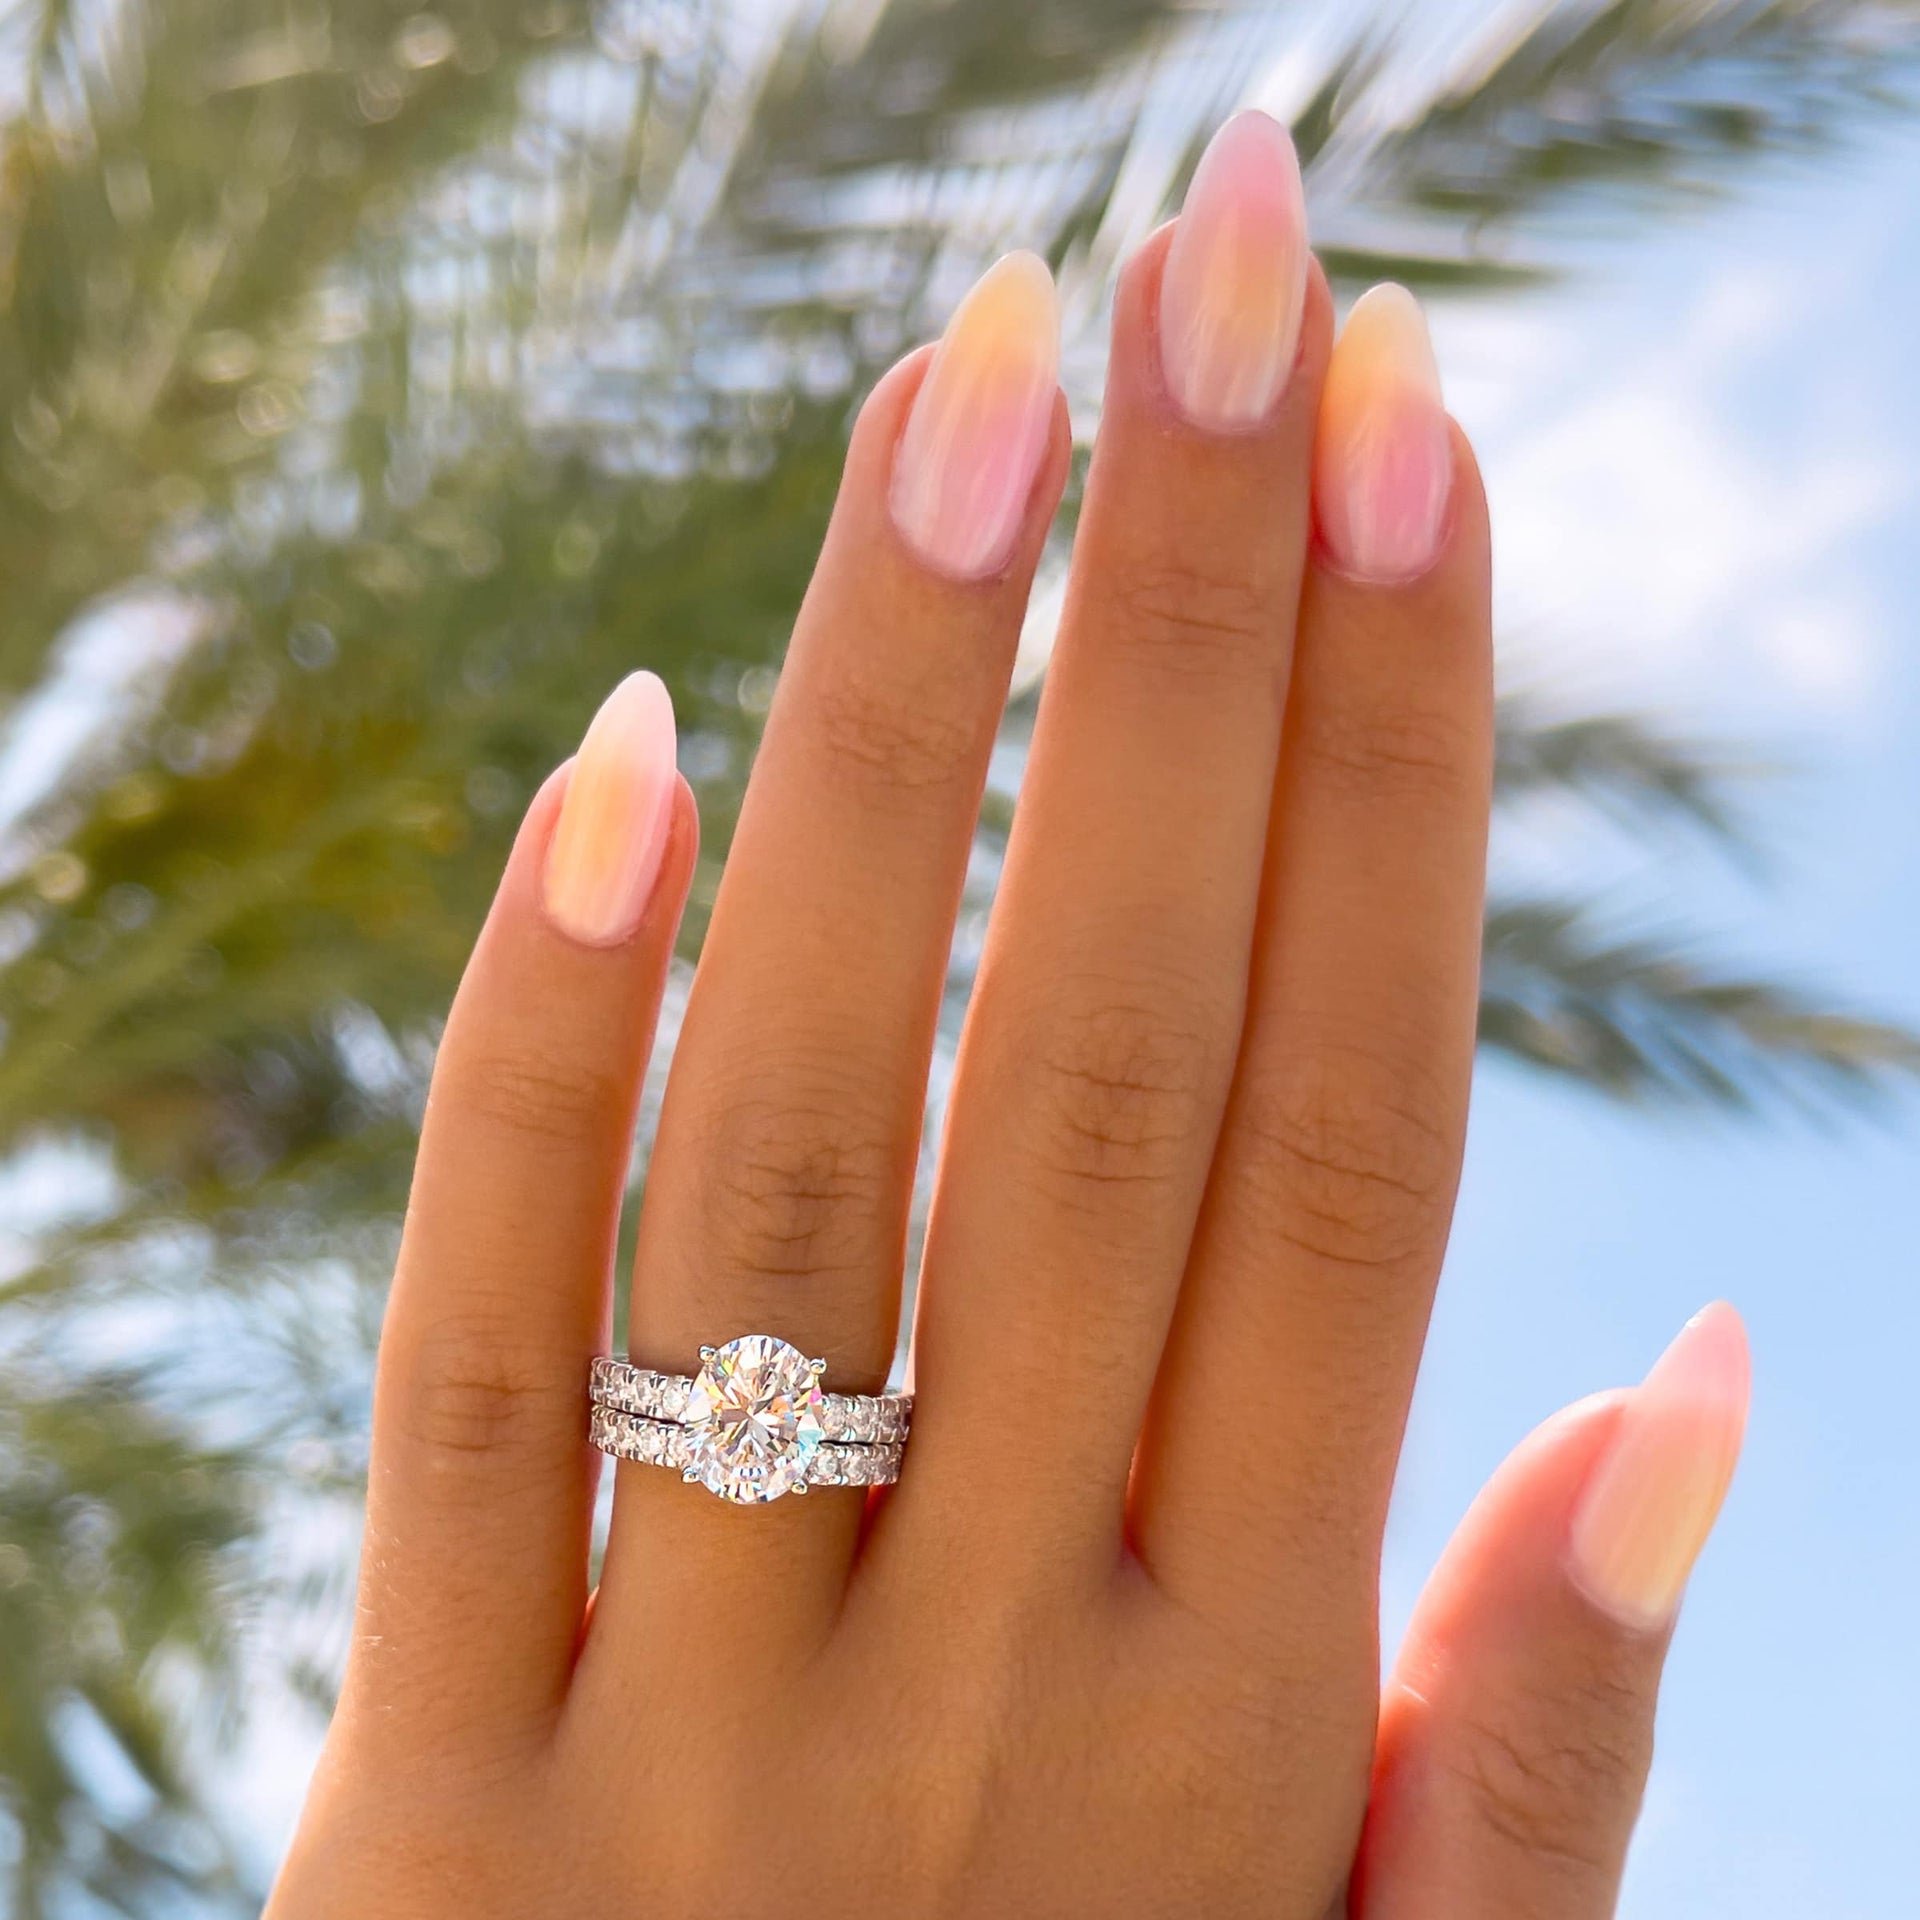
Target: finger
{"type": "Point", "coordinates": [1330, 1197]}
{"type": "Point", "coordinates": [1102, 1033]}
{"type": "Point", "coordinates": [778, 1196]}
{"type": "Point", "coordinates": [480, 1493]}
{"type": "Point", "coordinates": [1516, 1732]}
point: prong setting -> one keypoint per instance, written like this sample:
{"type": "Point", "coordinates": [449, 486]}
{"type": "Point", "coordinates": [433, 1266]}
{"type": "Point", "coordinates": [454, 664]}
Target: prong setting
{"type": "Point", "coordinates": [755, 1422]}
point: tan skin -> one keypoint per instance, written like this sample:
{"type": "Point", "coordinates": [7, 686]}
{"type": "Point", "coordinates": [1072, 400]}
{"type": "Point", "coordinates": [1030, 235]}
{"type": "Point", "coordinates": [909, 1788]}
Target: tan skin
{"type": "Point", "coordinates": [1202, 1146]}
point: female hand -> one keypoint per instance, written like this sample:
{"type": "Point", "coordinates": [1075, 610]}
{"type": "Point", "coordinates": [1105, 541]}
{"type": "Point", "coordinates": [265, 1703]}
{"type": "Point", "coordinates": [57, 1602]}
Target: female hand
{"type": "Point", "coordinates": [1110, 1646]}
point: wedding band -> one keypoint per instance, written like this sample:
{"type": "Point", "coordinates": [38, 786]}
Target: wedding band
{"type": "Point", "coordinates": [754, 1423]}
{"type": "Point", "coordinates": [656, 1443]}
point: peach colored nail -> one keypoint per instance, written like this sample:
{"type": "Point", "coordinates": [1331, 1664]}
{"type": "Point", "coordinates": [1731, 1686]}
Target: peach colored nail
{"type": "Point", "coordinates": [972, 447]}
{"type": "Point", "coordinates": [1235, 279]}
{"type": "Point", "coordinates": [605, 852]}
{"type": "Point", "coordinates": [1383, 461]}
{"type": "Point", "coordinates": [1651, 1502]}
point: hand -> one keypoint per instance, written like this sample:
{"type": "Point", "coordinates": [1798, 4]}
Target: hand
{"type": "Point", "coordinates": [1109, 1648]}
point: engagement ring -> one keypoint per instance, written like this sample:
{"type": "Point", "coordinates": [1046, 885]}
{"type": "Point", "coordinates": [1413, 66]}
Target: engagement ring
{"type": "Point", "coordinates": [752, 1424]}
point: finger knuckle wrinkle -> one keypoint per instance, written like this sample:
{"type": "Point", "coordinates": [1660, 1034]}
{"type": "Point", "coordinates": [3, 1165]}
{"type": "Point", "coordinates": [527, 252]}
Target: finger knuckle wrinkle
{"type": "Point", "coordinates": [1121, 1093]}
{"type": "Point", "coordinates": [541, 1097]}
{"type": "Point", "coordinates": [1350, 1156]}
{"type": "Point", "coordinates": [1397, 747]}
{"type": "Point", "coordinates": [906, 738]}
{"type": "Point", "coordinates": [1199, 622]}
{"type": "Point", "coordinates": [799, 1190]}
{"type": "Point", "coordinates": [471, 1397]}
{"type": "Point", "coordinates": [1564, 1794]}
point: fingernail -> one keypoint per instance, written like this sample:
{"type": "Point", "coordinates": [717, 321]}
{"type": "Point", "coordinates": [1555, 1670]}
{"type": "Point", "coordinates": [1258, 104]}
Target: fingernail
{"type": "Point", "coordinates": [1383, 461]}
{"type": "Point", "coordinates": [1235, 279]}
{"type": "Point", "coordinates": [1651, 1502]}
{"type": "Point", "coordinates": [967, 461]}
{"type": "Point", "coordinates": [607, 844]}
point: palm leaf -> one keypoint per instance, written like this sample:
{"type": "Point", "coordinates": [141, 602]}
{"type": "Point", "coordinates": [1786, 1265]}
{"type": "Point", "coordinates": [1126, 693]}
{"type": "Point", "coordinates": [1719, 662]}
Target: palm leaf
{"type": "Point", "coordinates": [117, 1527]}
{"type": "Point", "coordinates": [1574, 106]}
{"type": "Point", "coordinates": [1643, 1019]}
{"type": "Point", "coordinates": [1623, 764]}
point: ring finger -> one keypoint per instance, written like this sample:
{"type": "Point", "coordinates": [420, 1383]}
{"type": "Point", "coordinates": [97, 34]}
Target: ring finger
{"type": "Point", "coordinates": [778, 1195]}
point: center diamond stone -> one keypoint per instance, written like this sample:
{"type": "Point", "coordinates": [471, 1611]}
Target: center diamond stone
{"type": "Point", "coordinates": [753, 1419]}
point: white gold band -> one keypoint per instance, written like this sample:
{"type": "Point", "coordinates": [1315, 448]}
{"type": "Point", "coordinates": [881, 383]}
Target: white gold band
{"type": "Point", "coordinates": [753, 1424]}
{"type": "Point", "coordinates": [868, 1419]}
{"type": "Point", "coordinates": [660, 1443]}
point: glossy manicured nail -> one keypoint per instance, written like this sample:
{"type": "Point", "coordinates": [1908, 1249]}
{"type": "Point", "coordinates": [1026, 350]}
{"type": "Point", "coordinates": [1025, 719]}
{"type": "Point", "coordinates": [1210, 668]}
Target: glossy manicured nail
{"type": "Point", "coordinates": [605, 852]}
{"type": "Point", "coordinates": [1646, 1512]}
{"type": "Point", "coordinates": [1235, 279]}
{"type": "Point", "coordinates": [972, 447]}
{"type": "Point", "coordinates": [1383, 461]}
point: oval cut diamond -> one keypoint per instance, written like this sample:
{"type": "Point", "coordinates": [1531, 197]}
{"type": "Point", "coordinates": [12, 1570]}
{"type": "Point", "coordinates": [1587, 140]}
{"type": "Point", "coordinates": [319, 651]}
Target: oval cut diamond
{"type": "Point", "coordinates": [753, 1419]}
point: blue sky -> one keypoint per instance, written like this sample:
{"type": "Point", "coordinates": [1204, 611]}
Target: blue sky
{"type": "Point", "coordinates": [1700, 452]}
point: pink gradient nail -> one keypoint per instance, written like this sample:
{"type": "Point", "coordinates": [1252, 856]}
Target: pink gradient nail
{"type": "Point", "coordinates": [965, 468]}
{"type": "Point", "coordinates": [1650, 1503]}
{"type": "Point", "coordinates": [1235, 279]}
{"type": "Point", "coordinates": [1383, 461]}
{"type": "Point", "coordinates": [607, 845]}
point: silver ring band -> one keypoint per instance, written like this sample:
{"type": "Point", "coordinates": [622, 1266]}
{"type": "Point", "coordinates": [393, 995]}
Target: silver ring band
{"type": "Point", "coordinates": [657, 1443]}
{"type": "Point", "coordinates": [868, 1418]}
{"type": "Point", "coordinates": [753, 1424]}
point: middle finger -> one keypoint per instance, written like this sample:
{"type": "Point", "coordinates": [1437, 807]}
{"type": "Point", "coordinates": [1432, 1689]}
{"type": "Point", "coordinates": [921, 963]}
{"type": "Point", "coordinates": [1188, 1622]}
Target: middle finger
{"type": "Point", "coordinates": [1101, 1040]}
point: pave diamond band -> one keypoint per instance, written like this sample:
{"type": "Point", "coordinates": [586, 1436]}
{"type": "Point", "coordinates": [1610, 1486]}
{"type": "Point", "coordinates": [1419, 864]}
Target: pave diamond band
{"type": "Point", "coordinates": [656, 1443]}
{"type": "Point", "coordinates": [754, 1423]}
{"type": "Point", "coordinates": [866, 1417]}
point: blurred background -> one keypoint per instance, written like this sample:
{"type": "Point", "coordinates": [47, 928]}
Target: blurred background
{"type": "Point", "coordinates": [376, 390]}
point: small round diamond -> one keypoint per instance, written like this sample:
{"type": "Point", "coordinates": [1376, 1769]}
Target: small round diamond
{"type": "Point", "coordinates": [753, 1419]}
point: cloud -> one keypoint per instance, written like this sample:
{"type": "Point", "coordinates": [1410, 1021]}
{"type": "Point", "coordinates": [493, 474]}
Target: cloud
{"type": "Point", "coordinates": [1664, 531]}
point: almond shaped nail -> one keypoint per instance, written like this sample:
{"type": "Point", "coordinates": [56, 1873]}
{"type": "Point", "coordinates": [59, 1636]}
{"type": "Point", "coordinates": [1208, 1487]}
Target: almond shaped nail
{"type": "Point", "coordinates": [964, 472]}
{"type": "Point", "coordinates": [607, 845]}
{"type": "Point", "coordinates": [1235, 280]}
{"type": "Point", "coordinates": [1652, 1500]}
{"type": "Point", "coordinates": [1383, 459]}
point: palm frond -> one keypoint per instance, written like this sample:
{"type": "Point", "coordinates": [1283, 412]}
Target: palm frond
{"type": "Point", "coordinates": [170, 219]}
{"type": "Point", "coordinates": [116, 1526]}
{"type": "Point", "coordinates": [1652, 92]}
{"type": "Point", "coordinates": [1641, 1019]}
{"type": "Point", "coordinates": [1570, 106]}
{"type": "Point", "coordinates": [1624, 764]}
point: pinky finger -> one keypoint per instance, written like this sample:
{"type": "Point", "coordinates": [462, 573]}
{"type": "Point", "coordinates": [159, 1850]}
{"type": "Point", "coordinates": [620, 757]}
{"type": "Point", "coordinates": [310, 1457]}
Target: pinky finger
{"type": "Point", "coordinates": [1517, 1728]}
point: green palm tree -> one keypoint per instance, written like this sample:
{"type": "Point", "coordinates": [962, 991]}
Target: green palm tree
{"type": "Point", "coordinates": [378, 393]}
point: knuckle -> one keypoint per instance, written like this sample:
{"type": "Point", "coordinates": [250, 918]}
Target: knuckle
{"type": "Point", "coordinates": [471, 1394]}
{"type": "Point", "coordinates": [1562, 1780]}
{"type": "Point", "coordinates": [1422, 753]}
{"type": "Point", "coordinates": [538, 1096]}
{"type": "Point", "coordinates": [905, 738]}
{"type": "Point", "coordinates": [1350, 1154]}
{"type": "Point", "coordinates": [801, 1188]}
{"type": "Point", "coordinates": [1199, 621]}
{"type": "Point", "coordinates": [1121, 1091]}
